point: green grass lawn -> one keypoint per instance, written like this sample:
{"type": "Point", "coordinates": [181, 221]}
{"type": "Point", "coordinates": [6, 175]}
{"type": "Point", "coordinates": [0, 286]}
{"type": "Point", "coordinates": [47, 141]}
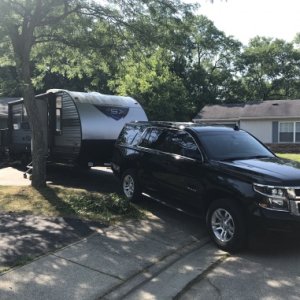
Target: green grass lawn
{"type": "Point", "coordinates": [291, 156]}
{"type": "Point", "coordinates": [58, 201]}
{"type": "Point", "coordinates": [67, 202]}
{"type": "Point", "coordinates": [78, 203]}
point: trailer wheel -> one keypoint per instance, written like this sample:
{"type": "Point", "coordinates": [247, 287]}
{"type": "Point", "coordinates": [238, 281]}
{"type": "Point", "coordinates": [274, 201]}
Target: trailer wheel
{"type": "Point", "coordinates": [130, 185]}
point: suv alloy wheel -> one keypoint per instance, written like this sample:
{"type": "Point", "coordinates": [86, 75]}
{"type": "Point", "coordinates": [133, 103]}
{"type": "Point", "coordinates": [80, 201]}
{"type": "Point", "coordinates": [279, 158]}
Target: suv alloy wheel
{"type": "Point", "coordinates": [130, 185]}
{"type": "Point", "coordinates": [226, 225]}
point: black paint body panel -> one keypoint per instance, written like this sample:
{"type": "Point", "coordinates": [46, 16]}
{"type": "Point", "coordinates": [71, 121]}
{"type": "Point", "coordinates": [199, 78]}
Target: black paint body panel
{"type": "Point", "coordinates": [170, 177]}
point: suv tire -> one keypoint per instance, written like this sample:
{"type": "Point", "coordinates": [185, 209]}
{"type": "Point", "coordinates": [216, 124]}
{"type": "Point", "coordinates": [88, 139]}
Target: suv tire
{"type": "Point", "coordinates": [130, 185]}
{"type": "Point", "coordinates": [226, 225]}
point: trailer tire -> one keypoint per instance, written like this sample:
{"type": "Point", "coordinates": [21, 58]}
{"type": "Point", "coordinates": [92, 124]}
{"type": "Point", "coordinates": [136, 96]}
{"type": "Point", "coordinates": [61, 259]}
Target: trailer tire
{"type": "Point", "coordinates": [130, 185]}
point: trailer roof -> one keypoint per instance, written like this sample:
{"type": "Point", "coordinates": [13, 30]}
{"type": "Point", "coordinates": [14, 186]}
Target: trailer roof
{"type": "Point", "coordinates": [4, 105]}
{"type": "Point", "coordinates": [97, 98]}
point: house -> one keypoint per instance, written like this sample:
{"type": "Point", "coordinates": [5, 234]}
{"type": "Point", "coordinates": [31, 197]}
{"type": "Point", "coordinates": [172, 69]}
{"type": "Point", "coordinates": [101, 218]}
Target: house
{"type": "Point", "coordinates": [4, 111]}
{"type": "Point", "coordinates": [274, 122]}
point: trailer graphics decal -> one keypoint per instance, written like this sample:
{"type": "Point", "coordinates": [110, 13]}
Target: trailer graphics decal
{"type": "Point", "coordinates": [115, 113]}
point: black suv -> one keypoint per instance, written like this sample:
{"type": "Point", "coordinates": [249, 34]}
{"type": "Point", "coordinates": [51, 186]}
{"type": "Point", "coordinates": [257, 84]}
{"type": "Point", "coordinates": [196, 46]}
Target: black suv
{"type": "Point", "coordinates": [226, 172]}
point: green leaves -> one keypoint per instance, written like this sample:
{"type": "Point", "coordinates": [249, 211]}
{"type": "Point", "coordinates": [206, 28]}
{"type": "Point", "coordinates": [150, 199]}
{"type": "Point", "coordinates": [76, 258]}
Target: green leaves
{"type": "Point", "coordinates": [158, 51]}
{"type": "Point", "coordinates": [160, 91]}
{"type": "Point", "coordinates": [270, 69]}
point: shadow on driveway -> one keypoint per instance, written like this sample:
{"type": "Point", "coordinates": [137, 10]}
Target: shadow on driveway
{"type": "Point", "coordinates": [23, 237]}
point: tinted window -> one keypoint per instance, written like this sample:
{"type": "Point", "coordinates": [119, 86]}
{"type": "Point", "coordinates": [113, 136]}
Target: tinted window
{"type": "Point", "coordinates": [152, 138]}
{"type": "Point", "coordinates": [168, 142]}
{"type": "Point", "coordinates": [181, 143]}
{"type": "Point", "coordinates": [232, 145]}
{"type": "Point", "coordinates": [131, 134]}
{"type": "Point", "coordinates": [173, 141]}
{"type": "Point", "coordinates": [189, 148]}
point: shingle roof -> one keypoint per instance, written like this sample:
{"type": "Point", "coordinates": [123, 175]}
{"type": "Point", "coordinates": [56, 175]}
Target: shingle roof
{"type": "Point", "coordinates": [255, 110]}
{"type": "Point", "coordinates": [4, 106]}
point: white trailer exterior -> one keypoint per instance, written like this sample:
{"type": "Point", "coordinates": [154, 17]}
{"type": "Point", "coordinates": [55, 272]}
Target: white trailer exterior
{"type": "Point", "coordinates": [82, 127]}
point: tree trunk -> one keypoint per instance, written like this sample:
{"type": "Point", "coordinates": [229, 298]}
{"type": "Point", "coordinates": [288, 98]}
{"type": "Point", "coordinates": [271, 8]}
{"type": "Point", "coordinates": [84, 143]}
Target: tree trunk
{"type": "Point", "coordinates": [39, 146]}
{"type": "Point", "coordinates": [38, 151]}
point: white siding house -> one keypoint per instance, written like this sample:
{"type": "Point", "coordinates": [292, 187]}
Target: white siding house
{"type": "Point", "coordinates": [275, 122]}
{"type": "Point", "coordinates": [262, 129]}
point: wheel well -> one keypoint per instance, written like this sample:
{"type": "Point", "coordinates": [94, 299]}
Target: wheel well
{"type": "Point", "coordinates": [215, 195]}
{"type": "Point", "coordinates": [127, 165]}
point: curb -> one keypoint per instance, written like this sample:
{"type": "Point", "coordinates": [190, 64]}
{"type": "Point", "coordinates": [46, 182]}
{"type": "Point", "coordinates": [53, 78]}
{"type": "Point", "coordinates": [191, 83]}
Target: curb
{"type": "Point", "coordinates": [136, 281]}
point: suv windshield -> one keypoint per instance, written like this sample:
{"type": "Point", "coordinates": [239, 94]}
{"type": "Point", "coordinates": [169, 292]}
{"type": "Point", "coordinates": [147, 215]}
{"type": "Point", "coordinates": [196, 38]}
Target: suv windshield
{"type": "Point", "coordinates": [232, 145]}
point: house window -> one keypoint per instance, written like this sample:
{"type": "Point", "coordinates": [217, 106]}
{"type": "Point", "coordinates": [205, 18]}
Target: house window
{"type": "Point", "coordinates": [289, 132]}
{"type": "Point", "coordinates": [297, 134]}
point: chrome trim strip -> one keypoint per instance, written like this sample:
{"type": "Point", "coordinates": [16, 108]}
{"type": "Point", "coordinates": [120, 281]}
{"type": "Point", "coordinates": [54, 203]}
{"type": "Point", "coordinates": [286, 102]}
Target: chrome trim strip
{"type": "Point", "coordinates": [267, 195]}
{"type": "Point", "coordinates": [273, 209]}
{"type": "Point", "coordinates": [277, 186]}
{"type": "Point", "coordinates": [287, 188]}
{"type": "Point", "coordinates": [295, 208]}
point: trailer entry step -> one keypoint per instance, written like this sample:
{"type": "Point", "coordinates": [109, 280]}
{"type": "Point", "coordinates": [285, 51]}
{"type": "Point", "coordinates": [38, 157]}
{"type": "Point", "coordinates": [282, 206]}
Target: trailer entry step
{"type": "Point", "coordinates": [28, 172]}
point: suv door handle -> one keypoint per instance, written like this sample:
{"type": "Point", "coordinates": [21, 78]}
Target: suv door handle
{"type": "Point", "coordinates": [191, 188]}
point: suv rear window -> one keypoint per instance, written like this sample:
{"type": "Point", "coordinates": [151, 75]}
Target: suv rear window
{"type": "Point", "coordinates": [131, 134]}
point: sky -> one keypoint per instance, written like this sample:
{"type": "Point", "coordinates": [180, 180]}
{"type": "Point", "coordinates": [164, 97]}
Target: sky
{"type": "Point", "coordinates": [245, 19]}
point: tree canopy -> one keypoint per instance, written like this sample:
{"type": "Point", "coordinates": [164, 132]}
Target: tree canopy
{"type": "Point", "coordinates": [161, 52]}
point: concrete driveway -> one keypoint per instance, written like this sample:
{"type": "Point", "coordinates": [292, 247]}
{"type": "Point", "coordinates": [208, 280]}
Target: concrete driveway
{"type": "Point", "coordinates": [12, 176]}
{"type": "Point", "coordinates": [269, 269]}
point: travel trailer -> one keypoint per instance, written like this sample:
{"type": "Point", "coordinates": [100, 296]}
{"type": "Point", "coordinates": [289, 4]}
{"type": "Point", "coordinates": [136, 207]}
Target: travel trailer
{"type": "Point", "coordinates": [82, 127]}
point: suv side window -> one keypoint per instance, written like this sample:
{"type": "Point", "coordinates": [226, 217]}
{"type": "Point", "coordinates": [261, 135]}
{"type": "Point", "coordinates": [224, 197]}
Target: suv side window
{"type": "Point", "coordinates": [171, 141]}
{"type": "Point", "coordinates": [131, 134]}
{"type": "Point", "coordinates": [180, 143]}
{"type": "Point", "coordinates": [189, 147]}
{"type": "Point", "coordinates": [152, 138]}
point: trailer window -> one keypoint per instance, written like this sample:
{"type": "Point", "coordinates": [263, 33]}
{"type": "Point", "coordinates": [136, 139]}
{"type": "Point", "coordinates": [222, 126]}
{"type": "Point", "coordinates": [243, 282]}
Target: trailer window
{"type": "Point", "coordinates": [19, 117]}
{"type": "Point", "coordinates": [58, 113]}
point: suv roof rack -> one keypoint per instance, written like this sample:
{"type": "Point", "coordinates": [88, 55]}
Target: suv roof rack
{"type": "Point", "coordinates": [169, 124]}
{"type": "Point", "coordinates": [179, 125]}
